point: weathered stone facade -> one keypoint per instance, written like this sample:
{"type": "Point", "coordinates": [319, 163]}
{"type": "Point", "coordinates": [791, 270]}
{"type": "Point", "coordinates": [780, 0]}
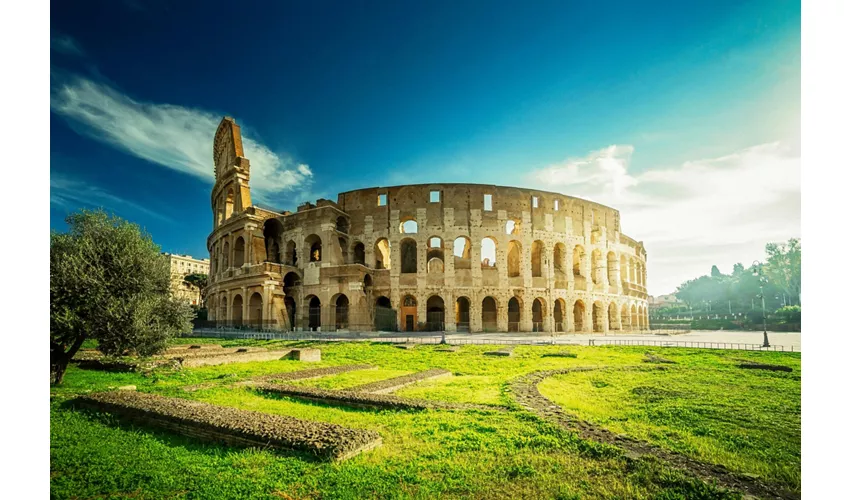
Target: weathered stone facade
{"type": "Point", "coordinates": [453, 257]}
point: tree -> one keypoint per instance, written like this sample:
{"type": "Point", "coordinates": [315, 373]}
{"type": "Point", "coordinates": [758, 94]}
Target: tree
{"type": "Point", "coordinates": [784, 266]}
{"type": "Point", "coordinates": [199, 281]}
{"type": "Point", "coordinates": [715, 272]}
{"type": "Point", "coordinates": [109, 282]}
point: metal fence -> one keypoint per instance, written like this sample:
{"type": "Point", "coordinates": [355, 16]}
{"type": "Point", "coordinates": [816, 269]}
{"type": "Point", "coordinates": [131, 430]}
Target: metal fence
{"type": "Point", "coordinates": [394, 338]}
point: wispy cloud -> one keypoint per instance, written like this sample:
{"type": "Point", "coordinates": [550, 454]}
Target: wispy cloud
{"type": "Point", "coordinates": [66, 45]}
{"type": "Point", "coordinates": [171, 136]}
{"type": "Point", "coordinates": [71, 193]}
{"type": "Point", "coordinates": [704, 212]}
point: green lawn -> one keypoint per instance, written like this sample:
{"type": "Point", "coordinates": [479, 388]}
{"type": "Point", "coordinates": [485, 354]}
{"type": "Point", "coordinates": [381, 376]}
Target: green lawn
{"type": "Point", "coordinates": [469, 454]}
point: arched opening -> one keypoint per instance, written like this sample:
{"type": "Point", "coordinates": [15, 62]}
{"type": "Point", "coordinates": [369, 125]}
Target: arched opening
{"type": "Point", "coordinates": [489, 315]}
{"type": "Point", "coordinates": [314, 244]}
{"type": "Point", "coordinates": [385, 316]}
{"type": "Point", "coordinates": [225, 257]}
{"type": "Point", "coordinates": [514, 314]}
{"type": "Point", "coordinates": [239, 252]}
{"type": "Point", "coordinates": [342, 224]}
{"type": "Point", "coordinates": [578, 316]}
{"type": "Point", "coordinates": [578, 261]}
{"type": "Point", "coordinates": [558, 315]}
{"type": "Point", "coordinates": [462, 314]}
{"type": "Point", "coordinates": [625, 319]}
{"type": "Point", "coordinates": [367, 281]}
{"type": "Point", "coordinates": [436, 314]}
{"type": "Point", "coordinates": [537, 314]}
{"type": "Point", "coordinates": [537, 259]}
{"type": "Point", "coordinates": [408, 256]}
{"type": "Point", "coordinates": [624, 270]}
{"type": "Point", "coordinates": [635, 323]}
{"type": "Point", "coordinates": [290, 280]}
{"type": "Point", "coordinates": [341, 312]}
{"type": "Point", "coordinates": [613, 319]}
{"type": "Point", "coordinates": [559, 257]}
{"type": "Point", "coordinates": [462, 253]}
{"type": "Point", "coordinates": [229, 202]}
{"type": "Point", "coordinates": [409, 313]}
{"type": "Point", "coordinates": [596, 266]}
{"type": "Point", "coordinates": [512, 227]}
{"type": "Point", "coordinates": [409, 226]}
{"type": "Point", "coordinates": [314, 317]}
{"type": "Point", "coordinates": [598, 317]}
{"type": "Point", "coordinates": [236, 310]}
{"type": "Point", "coordinates": [435, 255]}
{"type": "Point", "coordinates": [488, 252]}
{"type": "Point", "coordinates": [359, 253]}
{"type": "Point", "coordinates": [255, 310]}
{"type": "Point", "coordinates": [289, 303]}
{"type": "Point", "coordinates": [272, 231]}
{"type": "Point", "coordinates": [514, 258]}
{"type": "Point", "coordinates": [382, 254]}
{"type": "Point", "coordinates": [612, 268]}
{"type": "Point", "coordinates": [291, 258]}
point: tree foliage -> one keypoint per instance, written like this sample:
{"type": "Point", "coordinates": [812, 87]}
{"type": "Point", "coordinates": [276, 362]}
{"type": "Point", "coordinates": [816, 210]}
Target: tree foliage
{"type": "Point", "coordinates": [718, 292]}
{"type": "Point", "coordinates": [109, 282]}
{"type": "Point", "coordinates": [199, 281]}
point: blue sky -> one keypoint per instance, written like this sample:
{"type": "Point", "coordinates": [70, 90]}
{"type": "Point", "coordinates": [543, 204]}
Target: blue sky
{"type": "Point", "coordinates": [683, 115]}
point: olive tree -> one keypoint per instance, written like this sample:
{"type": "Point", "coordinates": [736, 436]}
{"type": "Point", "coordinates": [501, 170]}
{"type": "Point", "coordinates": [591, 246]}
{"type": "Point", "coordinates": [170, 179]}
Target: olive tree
{"type": "Point", "coordinates": [109, 282]}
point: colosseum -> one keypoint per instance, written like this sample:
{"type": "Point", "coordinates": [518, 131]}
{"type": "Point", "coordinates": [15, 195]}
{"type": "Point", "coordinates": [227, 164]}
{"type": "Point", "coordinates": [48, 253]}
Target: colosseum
{"type": "Point", "coordinates": [427, 257]}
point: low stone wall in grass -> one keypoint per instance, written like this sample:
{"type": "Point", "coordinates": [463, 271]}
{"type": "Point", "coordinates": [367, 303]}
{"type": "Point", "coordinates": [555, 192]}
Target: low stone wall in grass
{"type": "Point", "coordinates": [750, 365]}
{"type": "Point", "coordinates": [505, 351]}
{"type": "Point", "coordinates": [236, 357]}
{"type": "Point", "coordinates": [308, 374]}
{"type": "Point", "coordinates": [232, 426]}
{"type": "Point", "coordinates": [364, 400]}
{"type": "Point", "coordinates": [205, 353]}
{"type": "Point", "coordinates": [395, 383]}
{"type": "Point", "coordinates": [562, 354]}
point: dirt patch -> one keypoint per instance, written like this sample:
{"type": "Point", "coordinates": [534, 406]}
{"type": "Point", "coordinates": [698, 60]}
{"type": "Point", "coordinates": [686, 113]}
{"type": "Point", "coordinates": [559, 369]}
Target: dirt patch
{"type": "Point", "coordinates": [652, 358]}
{"type": "Point", "coordinates": [395, 383]}
{"type": "Point", "coordinates": [525, 393]}
{"type": "Point", "coordinates": [563, 354]}
{"type": "Point", "coordinates": [232, 426]}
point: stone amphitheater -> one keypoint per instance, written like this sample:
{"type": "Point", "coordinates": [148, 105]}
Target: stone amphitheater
{"type": "Point", "coordinates": [428, 257]}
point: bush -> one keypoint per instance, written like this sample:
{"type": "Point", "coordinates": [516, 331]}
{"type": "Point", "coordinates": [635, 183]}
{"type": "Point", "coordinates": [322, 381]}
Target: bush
{"type": "Point", "coordinates": [788, 314]}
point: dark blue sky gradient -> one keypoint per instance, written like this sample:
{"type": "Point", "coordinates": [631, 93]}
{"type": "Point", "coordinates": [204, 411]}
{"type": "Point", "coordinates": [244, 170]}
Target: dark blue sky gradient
{"type": "Point", "coordinates": [437, 91]}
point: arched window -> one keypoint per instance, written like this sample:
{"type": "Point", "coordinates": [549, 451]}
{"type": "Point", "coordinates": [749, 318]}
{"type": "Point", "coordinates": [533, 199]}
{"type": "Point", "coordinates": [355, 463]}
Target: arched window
{"type": "Point", "coordinates": [596, 266]}
{"type": "Point", "coordinates": [382, 254]}
{"type": "Point", "coordinates": [612, 268]}
{"type": "Point", "coordinates": [359, 252]}
{"type": "Point", "coordinates": [434, 255]}
{"type": "Point", "coordinates": [613, 323]}
{"type": "Point", "coordinates": [558, 315]}
{"type": "Point", "coordinates": [314, 320]}
{"type": "Point", "coordinates": [462, 314]}
{"type": "Point", "coordinates": [559, 257]}
{"type": "Point", "coordinates": [236, 309]}
{"type": "Point", "coordinates": [514, 258]}
{"type": "Point", "coordinates": [538, 311]}
{"type": "Point", "coordinates": [489, 314]}
{"type": "Point", "coordinates": [291, 257]}
{"type": "Point", "coordinates": [462, 253]}
{"type": "Point", "coordinates": [341, 312]}
{"type": "Point", "coordinates": [408, 256]}
{"type": "Point", "coordinates": [537, 259]}
{"type": "Point", "coordinates": [272, 231]}
{"type": "Point", "coordinates": [436, 311]}
{"type": "Point", "coordinates": [314, 243]}
{"type": "Point", "coordinates": [408, 226]}
{"type": "Point", "coordinates": [578, 261]}
{"type": "Point", "coordinates": [239, 252]}
{"type": "Point", "coordinates": [488, 252]}
{"type": "Point", "coordinates": [342, 224]}
{"type": "Point", "coordinates": [578, 316]}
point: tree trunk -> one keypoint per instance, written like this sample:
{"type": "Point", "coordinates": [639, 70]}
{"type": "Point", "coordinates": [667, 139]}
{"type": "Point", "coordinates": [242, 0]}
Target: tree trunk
{"type": "Point", "coordinates": [59, 359]}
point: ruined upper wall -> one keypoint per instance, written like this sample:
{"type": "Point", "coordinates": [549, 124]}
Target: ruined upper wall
{"type": "Point", "coordinates": [463, 198]}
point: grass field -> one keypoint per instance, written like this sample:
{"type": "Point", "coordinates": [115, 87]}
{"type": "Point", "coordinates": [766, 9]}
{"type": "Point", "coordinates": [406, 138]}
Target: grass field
{"type": "Point", "coordinates": [704, 406]}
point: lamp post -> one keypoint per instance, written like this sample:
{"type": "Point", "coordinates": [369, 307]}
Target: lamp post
{"type": "Point", "coordinates": [762, 281]}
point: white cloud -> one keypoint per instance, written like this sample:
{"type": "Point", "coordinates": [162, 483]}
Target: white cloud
{"type": "Point", "coordinates": [71, 193]}
{"type": "Point", "coordinates": [705, 212]}
{"type": "Point", "coordinates": [171, 136]}
{"type": "Point", "coordinates": [66, 45]}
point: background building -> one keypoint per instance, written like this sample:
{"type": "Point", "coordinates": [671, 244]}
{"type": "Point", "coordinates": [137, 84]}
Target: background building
{"type": "Point", "coordinates": [182, 266]}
